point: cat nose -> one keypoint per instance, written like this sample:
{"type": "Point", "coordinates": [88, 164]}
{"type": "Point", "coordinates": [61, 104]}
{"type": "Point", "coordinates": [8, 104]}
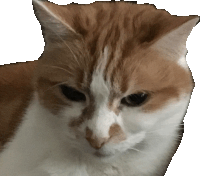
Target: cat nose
{"type": "Point", "coordinates": [94, 141]}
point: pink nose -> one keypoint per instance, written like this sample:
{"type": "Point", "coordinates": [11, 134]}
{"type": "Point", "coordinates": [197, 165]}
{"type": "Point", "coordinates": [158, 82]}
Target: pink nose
{"type": "Point", "coordinates": [116, 135]}
{"type": "Point", "coordinates": [94, 141]}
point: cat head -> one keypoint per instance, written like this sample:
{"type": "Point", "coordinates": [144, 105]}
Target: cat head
{"type": "Point", "coordinates": [112, 73]}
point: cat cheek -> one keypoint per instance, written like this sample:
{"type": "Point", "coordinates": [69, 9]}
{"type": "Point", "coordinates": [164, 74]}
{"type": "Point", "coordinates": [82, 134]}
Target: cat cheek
{"type": "Point", "coordinates": [74, 111]}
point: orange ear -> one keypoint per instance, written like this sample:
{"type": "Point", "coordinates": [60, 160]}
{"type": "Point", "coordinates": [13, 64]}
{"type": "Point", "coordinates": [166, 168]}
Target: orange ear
{"type": "Point", "coordinates": [55, 20]}
{"type": "Point", "coordinates": [173, 44]}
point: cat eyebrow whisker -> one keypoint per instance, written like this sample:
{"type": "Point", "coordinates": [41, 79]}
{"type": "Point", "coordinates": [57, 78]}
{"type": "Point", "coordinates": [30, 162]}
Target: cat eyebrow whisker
{"type": "Point", "coordinates": [86, 81]}
{"type": "Point", "coordinates": [55, 86]}
{"type": "Point", "coordinates": [68, 48]}
{"type": "Point", "coordinates": [60, 68]}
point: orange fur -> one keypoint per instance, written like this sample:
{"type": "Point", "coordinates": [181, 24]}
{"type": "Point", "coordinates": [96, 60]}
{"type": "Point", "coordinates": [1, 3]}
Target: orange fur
{"type": "Point", "coordinates": [15, 93]}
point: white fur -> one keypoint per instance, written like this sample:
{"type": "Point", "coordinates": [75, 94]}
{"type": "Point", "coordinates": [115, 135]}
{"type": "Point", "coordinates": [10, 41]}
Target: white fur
{"type": "Point", "coordinates": [38, 149]}
{"type": "Point", "coordinates": [182, 62]}
{"type": "Point", "coordinates": [103, 117]}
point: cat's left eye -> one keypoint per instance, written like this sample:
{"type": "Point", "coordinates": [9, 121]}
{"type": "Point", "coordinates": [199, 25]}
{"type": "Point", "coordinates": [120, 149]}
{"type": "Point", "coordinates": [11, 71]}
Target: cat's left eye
{"type": "Point", "coordinates": [72, 94]}
{"type": "Point", "coordinates": [135, 99]}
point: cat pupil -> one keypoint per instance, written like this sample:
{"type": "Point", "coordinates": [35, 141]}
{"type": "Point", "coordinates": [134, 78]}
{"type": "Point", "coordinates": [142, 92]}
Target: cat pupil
{"type": "Point", "coordinates": [134, 99]}
{"type": "Point", "coordinates": [72, 94]}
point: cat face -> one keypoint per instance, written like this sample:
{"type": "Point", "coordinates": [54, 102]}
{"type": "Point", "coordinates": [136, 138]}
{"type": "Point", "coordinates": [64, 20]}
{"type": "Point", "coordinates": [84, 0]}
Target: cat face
{"type": "Point", "coordinates": [114, 79]}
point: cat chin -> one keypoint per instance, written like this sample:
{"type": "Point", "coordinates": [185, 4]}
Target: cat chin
{"type": "Point", "coordinates": [101, 156]}
{"type": "Point", "coordinates": [106, 158]}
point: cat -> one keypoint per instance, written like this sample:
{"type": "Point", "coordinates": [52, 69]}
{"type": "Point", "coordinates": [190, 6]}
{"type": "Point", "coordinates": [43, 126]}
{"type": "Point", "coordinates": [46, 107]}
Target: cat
{"type": "Point", "coordinates": [106, 98]}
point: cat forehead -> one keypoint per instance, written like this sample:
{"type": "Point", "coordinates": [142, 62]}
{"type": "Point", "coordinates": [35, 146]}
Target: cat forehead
{"type": "Point", "coordinates": [146, 70]}
{"type": "Point", "coordinates": [122, 26]}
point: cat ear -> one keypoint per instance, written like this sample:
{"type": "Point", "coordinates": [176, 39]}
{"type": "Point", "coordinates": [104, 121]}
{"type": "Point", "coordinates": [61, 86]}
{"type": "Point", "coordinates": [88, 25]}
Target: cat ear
{"type": "Point", "coordinates": [173, 44]}
{"type": "Point", "coordinates": [54, 19]}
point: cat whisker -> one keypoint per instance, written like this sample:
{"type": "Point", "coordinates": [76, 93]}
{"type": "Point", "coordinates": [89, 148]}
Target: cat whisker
{"type": "Point", "coordinates": [137, 150]}
{"type": "Point", "coordinates": [157, 130]}
{"type": "Point", "coordinates": [55, 86]}
{"type": "Point", "coordinates": [179, 138]}
{"type": "Point", "coordinates": [68, 48]}
{"type": "Point", "coordinates": [173, 137]}
{"type": "Point", "coordinates": [169, 126]}
{"type": "Point", "coordinates": [59, 68]}
{"type": "Point", "coordinates": [176, 135]}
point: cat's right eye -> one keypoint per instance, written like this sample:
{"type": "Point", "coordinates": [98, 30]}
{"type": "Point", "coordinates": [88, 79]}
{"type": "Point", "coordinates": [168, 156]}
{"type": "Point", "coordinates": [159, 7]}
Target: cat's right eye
{"type": "Point", "coordinates": [72, 94]}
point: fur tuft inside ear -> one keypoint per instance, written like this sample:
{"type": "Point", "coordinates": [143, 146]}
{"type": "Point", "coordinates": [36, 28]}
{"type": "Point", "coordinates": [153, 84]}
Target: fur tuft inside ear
{"type": "Point", "coordinates": [53, 19]}
{"type": "Point", "coordinates": [173, 44]}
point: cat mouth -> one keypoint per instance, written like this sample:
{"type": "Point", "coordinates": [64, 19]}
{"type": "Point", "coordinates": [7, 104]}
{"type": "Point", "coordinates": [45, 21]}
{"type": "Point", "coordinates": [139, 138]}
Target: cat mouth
{"type": "Point", "coordinates": [102, 155]}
